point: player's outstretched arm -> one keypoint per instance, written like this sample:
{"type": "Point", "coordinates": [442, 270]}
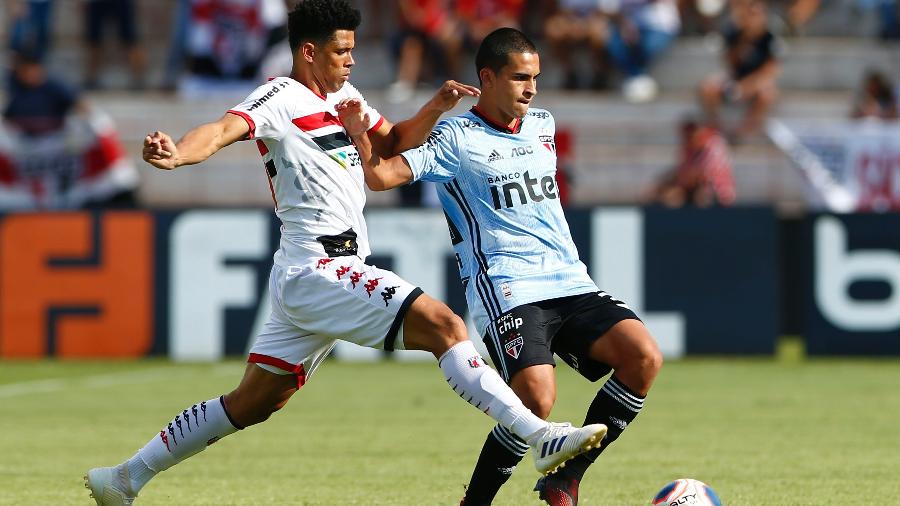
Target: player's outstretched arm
{"type": "Point", "coordinates": [196, 145]}
{"type": "Point", "coordinates": [393, 139]}
{"type": "Point", "coordinates": [380, 173]}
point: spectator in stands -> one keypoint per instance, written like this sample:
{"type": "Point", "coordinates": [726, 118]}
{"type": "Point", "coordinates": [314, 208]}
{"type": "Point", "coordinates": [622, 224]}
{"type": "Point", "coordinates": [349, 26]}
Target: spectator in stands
{"type": "Point", "coordinates": [427, 32]}
{"type": "Point", "coordinates": [570, 25]}
{"type": "Point", "coordinates": [700, 17]}
{"type": "Point", "coordinates": [751, 58]}
{"type": "Point", "coordinates": [97, 14]}
{"type": "Point", "coordinates": [703, 175]}
{"type": "Point", "coordinates": [641, 31]}
{"type": "Point", "coordinates": [228, 41]}
{"type": "Point", "coordinates": [876, 99]}
{"type": "Point", "coordinates": [30, 27]}
{"type": "Point", "coordinates": [37, 104]}
{"type": "Point", "coordinates": [890, 19]}
{"type": "Point", "coordinates": [176, 57]}
{"type": "Point", "coordinates": [55, 152]}
{"type": "Point", "coordinates": [481, 17]}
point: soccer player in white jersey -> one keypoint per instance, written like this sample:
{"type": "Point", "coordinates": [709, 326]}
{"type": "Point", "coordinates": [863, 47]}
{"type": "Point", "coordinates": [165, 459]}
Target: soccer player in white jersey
{"type": "Point", "coordinates": [320, 285]}
{"type": "Point", "coordinates": [525, 286]}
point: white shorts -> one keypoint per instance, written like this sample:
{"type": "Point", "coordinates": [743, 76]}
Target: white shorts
{"type": "Point", "coordinates": [315, 304]}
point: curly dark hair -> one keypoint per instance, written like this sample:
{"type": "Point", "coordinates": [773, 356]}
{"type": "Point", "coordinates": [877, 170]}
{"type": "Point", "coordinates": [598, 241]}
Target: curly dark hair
{"type": "Point", "coordinates": [493, 53]}
{"type": "Point", "coordinates": [317, 20]}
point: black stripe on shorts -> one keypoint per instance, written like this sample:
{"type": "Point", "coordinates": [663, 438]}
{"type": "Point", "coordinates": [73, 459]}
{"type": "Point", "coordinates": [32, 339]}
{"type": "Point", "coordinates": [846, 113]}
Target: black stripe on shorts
{"type": "Point", "coordinates": [398, 320]}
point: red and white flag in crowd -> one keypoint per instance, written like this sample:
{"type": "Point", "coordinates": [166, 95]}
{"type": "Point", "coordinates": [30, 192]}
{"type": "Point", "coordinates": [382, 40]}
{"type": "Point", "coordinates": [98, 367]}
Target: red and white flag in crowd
{"type": "Point", "coordinates": [848, 165]}
{"type": "Point", "coordinates": [83, 162]}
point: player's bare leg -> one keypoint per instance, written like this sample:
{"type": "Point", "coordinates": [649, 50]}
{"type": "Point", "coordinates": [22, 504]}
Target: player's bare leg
{"type": "Point", "coordinates": [431, 326]}
{"type": "Point", "coordinates": [259, 395]}
{"type": "Point", "coordinates": [636, 360]}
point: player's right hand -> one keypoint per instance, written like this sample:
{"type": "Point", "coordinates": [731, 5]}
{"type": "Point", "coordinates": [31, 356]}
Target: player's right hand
{"type": "Point", "coordinates": [160, 151]}
{"type": "Point", "coordinates": [351, 115]}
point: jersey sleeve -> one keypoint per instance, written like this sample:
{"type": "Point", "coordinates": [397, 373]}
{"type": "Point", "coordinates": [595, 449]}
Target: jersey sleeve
{"type": "Point", "coordinates": [267, 111]}
{"type": "Point", "coordinates": [374, 116]}
{"type": "Point", "coordinates": [437, 159]}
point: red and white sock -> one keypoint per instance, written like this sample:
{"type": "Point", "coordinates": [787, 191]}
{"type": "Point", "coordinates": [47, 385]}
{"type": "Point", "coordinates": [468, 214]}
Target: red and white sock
{"type": "Point", "coordinates": [189, 433]}
{"type": "Point", "coordinates": [470, 377]}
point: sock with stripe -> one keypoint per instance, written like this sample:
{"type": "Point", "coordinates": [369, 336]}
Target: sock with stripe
{"type": "Point", "coordinates": [189, 433]}
{"type": "Point", "coordinates": [470, 377]}
{"type": "Point", "coordinates": [501, 452]}
{"type": "Point", "coordinates": [616, 406]}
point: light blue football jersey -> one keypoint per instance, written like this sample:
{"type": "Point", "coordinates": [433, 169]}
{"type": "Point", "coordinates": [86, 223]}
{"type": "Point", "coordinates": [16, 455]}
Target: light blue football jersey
{"type": "Point", "coordinates": [498, 190]}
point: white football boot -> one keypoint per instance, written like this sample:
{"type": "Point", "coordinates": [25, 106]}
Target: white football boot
{"type": "Point", "coordinates": [559, 442]}
{"type": "Point", "coordinates": [110, 486]}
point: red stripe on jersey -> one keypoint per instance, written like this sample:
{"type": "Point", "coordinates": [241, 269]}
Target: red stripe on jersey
{"type": "Point", "coordinates": [297, 370]}
{"type": "Point", "coordinates": [261, 146]}
{"type": "Point", "coordinates": [248, 119]}
{"type": "Point", "coordinates": [315, 121]}
{"type": "Point", "coordinates": [380, 121]}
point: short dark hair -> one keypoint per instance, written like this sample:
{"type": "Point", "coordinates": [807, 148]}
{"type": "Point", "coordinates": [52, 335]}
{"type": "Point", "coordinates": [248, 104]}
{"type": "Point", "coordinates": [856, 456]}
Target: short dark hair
{"type": "Point", "coordinates": [493, 53]}
{"type": "Point", "coordinates": [317, 20]}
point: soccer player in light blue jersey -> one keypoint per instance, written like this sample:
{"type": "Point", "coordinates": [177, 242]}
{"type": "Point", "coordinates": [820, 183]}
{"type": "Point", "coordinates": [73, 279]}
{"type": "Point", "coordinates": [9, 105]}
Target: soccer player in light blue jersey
{"type": "Point", "coordinates": [526, 288]}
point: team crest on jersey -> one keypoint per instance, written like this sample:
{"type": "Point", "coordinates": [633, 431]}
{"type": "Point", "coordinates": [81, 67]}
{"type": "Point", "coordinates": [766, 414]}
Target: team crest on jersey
{"type": "Point", "coordinates": [514, 344]}
{"type": "Point", "coordinates": [548, 142]}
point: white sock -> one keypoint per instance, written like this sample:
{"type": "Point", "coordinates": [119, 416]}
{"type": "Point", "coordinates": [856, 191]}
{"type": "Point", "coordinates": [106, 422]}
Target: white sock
{"type": "Point", "coordinates": [189, 433]}
{"type": "Point", "coordinates": [470, 377]}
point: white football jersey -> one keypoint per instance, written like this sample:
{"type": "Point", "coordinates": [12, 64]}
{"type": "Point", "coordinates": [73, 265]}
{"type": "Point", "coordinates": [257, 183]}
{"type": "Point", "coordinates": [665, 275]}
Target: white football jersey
{"type": "Point", "coordinates": [313, 168]}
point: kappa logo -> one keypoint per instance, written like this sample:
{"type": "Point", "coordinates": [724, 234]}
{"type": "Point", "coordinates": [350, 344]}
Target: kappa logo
{"type": "Point", "coordinates": [388, 294]}
{"type": "Point", "coordinates": [371, 285]}
{"type": "Point", "coordinates": [165, 439]}
{"type": "Point", "coordinates": [355, 277]}
{"type": "Point", "coordinates": [513, 347]}
{"type": "Point", "coordinates": [340, 271]}
{"type": "Point", "coordinates": [323, 262]}
{"type": "Point", "coordinates": [476, 362]}
{"type": "Point", "coordinates": [494, 156]}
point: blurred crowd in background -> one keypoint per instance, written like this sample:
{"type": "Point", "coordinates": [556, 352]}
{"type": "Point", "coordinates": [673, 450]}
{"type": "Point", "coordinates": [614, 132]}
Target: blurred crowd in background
{"type": "Point", "coordinates": [224, 45]}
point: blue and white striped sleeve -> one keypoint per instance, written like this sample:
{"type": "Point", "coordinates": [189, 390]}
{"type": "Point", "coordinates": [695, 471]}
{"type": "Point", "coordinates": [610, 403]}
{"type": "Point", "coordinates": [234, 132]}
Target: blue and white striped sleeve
{"type": "Point", "coordinates": [438, 158]}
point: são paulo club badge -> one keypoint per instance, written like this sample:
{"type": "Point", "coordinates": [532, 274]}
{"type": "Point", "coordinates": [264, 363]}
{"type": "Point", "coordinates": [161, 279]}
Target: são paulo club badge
{"type": "Point", "coordinates": [514, 343]}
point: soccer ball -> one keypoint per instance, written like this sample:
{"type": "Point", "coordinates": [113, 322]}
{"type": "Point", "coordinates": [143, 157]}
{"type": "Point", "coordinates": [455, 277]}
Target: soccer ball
{"type": "Point", "coordinates": [686, 492]}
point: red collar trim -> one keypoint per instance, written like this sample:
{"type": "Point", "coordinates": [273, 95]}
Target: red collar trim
{"type": "Point", "coordinates": [517, 126]}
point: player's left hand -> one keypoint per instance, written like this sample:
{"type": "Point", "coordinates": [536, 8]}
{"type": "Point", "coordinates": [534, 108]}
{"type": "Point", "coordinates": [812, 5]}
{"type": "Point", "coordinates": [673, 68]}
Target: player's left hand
{"type": "Point", "coordinates": [350, 112]}
{"type": "Point", "coordinates": [451, 93]}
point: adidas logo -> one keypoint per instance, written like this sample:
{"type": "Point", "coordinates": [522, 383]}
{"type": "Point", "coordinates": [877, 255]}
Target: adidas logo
{"type": "Point", "coordinates": [494, 156]}
{"type": "Point", "coordinates": [551, 447]}
{"type": "Point", "coordinates": [618, 422]}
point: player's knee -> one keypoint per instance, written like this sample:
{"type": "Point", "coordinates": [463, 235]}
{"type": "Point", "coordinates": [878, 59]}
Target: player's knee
{"type": "Point", "coordinates": [251, 408]}
{"type": "Point", "coordinates": [448, 327]}
{"type": "Point", "coordinates": [649, 363]}
{"type": "Point", "coordinates": [446, 330]}
{"type": "Point", "coordinates": [540, 402]}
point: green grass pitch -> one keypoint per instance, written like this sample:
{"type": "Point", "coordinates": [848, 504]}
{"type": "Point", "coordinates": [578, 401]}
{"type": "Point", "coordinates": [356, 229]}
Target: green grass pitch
{"type": "Point", "coordinates": [761, 432]}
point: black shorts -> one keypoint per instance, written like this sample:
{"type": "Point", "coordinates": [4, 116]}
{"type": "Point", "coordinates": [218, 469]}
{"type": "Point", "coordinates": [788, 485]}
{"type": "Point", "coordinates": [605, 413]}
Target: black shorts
{"type": "Point", "coordinates": [531, 333]}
